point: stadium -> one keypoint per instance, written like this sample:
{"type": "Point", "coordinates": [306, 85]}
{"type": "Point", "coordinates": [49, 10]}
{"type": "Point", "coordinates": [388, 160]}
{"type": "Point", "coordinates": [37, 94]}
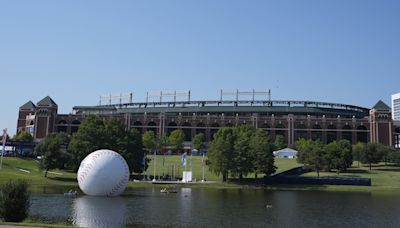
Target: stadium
{"type": "Point", "coordinates": [169, 111]}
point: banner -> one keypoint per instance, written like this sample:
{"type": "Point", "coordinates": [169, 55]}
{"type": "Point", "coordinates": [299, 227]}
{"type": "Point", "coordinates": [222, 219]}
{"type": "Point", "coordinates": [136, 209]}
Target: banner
{"type": "Point", "coordinates": [184, 159]}
{"type": "Point", "coordinates": [3, 141]}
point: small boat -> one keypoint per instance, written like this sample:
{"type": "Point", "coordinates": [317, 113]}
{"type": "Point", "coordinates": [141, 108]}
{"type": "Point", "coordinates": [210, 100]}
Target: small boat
{"type": "Point", "coordinates": [164, 190]}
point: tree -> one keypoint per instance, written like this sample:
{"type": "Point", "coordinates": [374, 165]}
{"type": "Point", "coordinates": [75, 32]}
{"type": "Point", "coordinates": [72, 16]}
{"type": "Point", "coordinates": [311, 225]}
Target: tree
{"type": "Point", "coordinates": [311, 153]}
{"type": "Point", "coordinates": [394, 157]}
{"type": "Point", "coordinates": [221, 151]}
{"type": "Point", "coordinates": [90, 137]}
{"type": "Point", "coordinates": [372, 154]}
{"type": "Point", "coordinates": [242, 156]}
{"type": "Point", "coordinates": [162, 142]}
{"type": "Point", "coordinates": [338, 155]}
{"type": "Point", "coordinates": [14, 201]}
{"type": "Point", "coordinates": [132, 151]}
{"type": "Point", "coordinates": [346, 154]}
{"type": "Point", "coordinates": [357, 150]}
{"type": "Point", "coordinates": [115, 135]}
{"type": "Point", "coordinates": [149, 140]}
{"type": "Point", "coordinates": [24, 136]}
{"type": "Point", "coordinates": [198, 141]}
{"type": "Point", "coordinates": [53, 155]}
{"type": "Point", "coordinates": [176, 139]}
{"type": "Point", "coordinates": [280, 142]}
{"type": "Point", "coordinates": [262, 150]}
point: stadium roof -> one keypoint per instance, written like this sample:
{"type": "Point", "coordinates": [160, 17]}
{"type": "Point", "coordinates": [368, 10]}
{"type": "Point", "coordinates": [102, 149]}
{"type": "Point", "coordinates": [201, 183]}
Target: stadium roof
{"type": "Point", "coordinates": [303, 107]}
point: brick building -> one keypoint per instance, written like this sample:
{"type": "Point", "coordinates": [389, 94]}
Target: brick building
{"type": "Point", "coordinates": [291, 119]}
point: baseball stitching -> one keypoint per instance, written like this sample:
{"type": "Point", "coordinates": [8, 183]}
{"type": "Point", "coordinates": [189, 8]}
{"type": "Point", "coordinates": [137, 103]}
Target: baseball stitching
{"type": "Point", "coordinates": [121, 183]}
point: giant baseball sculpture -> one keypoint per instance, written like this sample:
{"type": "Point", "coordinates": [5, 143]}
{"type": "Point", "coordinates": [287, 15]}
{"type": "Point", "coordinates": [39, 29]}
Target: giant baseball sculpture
{"type": "Point", "coordinates": [103, 173]}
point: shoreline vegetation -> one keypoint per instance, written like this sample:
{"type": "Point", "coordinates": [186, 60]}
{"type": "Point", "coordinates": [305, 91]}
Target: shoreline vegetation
{"type": "Point", "coordinates": [385, 177]}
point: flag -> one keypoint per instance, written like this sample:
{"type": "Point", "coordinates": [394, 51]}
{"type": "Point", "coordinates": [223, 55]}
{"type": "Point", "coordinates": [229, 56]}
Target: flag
{"type": "Point", "coordinates": [184, 159]}
{"type": "Point", "coordinates": [4, 138]}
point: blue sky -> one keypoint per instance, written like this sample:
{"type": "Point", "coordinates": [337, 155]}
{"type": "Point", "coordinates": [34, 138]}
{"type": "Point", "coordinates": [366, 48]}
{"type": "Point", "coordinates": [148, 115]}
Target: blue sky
{"type": "Point", "coordinates": [337, 51]}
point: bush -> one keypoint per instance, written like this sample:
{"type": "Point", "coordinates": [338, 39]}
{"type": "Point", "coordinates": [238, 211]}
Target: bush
{"type": "Point", "coordinates": [14, 201]}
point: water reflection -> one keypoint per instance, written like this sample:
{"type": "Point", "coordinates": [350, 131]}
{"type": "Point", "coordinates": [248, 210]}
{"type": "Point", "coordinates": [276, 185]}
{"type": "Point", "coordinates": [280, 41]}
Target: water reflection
{"type": "Point", "coordinates": [90, 211]}
{"type": "Point", "coordinates": [224, 208]}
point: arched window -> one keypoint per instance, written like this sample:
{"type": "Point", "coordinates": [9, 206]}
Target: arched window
{"type": "Point", "coordinates": [266, 128]}
{"type": "Point", "coordinates": [138, 126]}
{"type": "Point", "coordinates": [331, 133]}
{"type": "Point", "coordinates": [62, 126]}
{"type": "Point", "coordinates": [171, 127]}
{"type": "Point", "coordinates": [281, 130]}
{"type": "Point", "coordinates": [214, 129]}
{"type": "Point", "coordinates": [316, 133]}
{"type": "Point", "coordinates": [362, 134]}
{"type": "Point", "coordinates": [301, 132]}
{"type": "Point", "coordinates": [347, 133]}
{"type": "Point", "coordinates": [152, 126]}
{"type": "Point", "coordinates": [187, 130]}
{"type": "Point", "coordinates": [75, 126]}
{"type": "Point", "coordinates": [201, 128]}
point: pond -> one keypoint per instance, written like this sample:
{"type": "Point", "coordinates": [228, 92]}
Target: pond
{"type": "Point", "coordinates": [223, 208]}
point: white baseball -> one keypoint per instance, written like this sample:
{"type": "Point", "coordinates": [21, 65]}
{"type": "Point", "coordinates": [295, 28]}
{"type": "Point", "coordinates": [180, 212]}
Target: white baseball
{"type": "Point", "coordinates": [103, 173]}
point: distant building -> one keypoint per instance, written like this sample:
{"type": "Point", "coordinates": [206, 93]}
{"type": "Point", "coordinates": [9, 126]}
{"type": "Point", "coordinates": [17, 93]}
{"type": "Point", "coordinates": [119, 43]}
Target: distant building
{"type": "Point", "coordinates": [396, 106]}
{"type": "Point", "coordinates": [291, 119]}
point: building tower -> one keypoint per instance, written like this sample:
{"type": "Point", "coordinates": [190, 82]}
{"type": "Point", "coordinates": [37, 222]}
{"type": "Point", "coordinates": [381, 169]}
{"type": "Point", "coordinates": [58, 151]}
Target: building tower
{"type": "Point", "coordinates": [26, 117]}
{"type": "Point", "coordinates": [381, 124]}
{"type": "Point", "coordinates": [45, 117]}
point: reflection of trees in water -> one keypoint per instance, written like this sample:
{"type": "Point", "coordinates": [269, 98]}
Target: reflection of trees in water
{"type": "Point", "coordinates": [89, 211]}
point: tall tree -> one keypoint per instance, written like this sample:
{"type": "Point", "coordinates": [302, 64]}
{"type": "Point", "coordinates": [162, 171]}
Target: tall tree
{"type": "Point", "coordinates": [372, 154]}
{"type": "Point", "coordinates": [346, 153]}
{"type": "Point", "coordinates": [311, 154]}
{"type": "Point", "coordinates": [52, 153]}
{"type": "Point", "coordinates": [280, 142]}
{"type": "Point", "coordinates": [198, 141]}
{"type": "Point", "coordinates": [242, 156]}
{"type": "Point", "coordinates": [357, 150]}
{"type": "Point", "coordinates": [221, 151]}
{"type": "Point", "coordinates": [176, 139]}
{"type": "Point", "coordinates": [338, 155]}
{"type": "Point", "coordinates": [132, 151]}
{"type": "Point", "coordinates": [90, 137]}
{"type": "Point", "coordinates": [262, 150]}
{"type": "Point", "coordinates": [149, 141]}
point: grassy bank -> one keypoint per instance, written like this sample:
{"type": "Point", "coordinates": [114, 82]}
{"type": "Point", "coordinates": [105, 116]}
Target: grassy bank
{"type": "Point", "coordinates": [384, 178]}
{"type": "Point", "coordinates": [61, 181]}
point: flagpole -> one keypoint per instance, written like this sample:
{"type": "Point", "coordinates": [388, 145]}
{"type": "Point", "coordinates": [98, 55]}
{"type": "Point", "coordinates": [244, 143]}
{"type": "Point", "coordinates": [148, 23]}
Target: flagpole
{"type": "Point", "coordinates": [202, 164]}
{"type": "Point", "coordinates": [4, 138]}
{"type": "Point", "coordinates": [144, 166]}
{"type": "Point", "coordinates": [155, 163]}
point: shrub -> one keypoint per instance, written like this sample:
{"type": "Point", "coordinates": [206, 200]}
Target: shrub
{"type": "Point", "coordinates": [14, 201]}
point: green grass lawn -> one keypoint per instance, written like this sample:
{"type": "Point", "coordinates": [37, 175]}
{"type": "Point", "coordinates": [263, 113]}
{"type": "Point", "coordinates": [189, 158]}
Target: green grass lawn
{"type": "Point", "coordinates": [383, 177]}
{"type": "Point", "coordinates": [166, 164]}
{"type": "Point", "coordinates": [61, 181]}
{"type": "Point", "coordinates": [27, 169]}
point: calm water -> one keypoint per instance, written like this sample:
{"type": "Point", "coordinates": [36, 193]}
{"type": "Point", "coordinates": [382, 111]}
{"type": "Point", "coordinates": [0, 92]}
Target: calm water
{"type": "Point", "coordinates": [225, 208]}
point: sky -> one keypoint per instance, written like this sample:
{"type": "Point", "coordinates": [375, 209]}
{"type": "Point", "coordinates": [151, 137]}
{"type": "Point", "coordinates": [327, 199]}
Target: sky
{"type": "Point", "coordinates": [343, 51]}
